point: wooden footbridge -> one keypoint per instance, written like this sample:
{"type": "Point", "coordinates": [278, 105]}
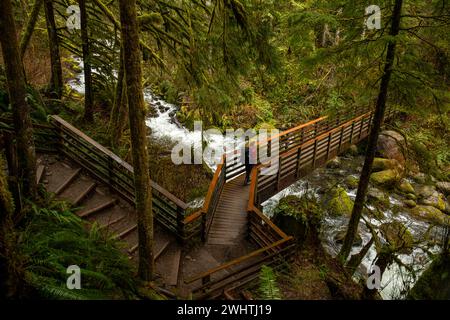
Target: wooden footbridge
{"type": "Point", "coordinates": [236, 237]}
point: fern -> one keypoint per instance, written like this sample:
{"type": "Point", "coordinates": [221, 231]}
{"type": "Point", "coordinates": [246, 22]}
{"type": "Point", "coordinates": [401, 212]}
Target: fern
{"type": "Point", "coordinates": [268, 288]}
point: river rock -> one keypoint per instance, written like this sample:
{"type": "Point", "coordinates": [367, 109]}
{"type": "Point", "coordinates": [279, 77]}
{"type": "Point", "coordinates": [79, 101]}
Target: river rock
{"type": "Point", "coordinates": [398, 236]}
{"type": "Point", "coordinates": [386, 178]}
{"type": "Point", "coordinates": [351, 182]}
{"type": "Point", "coordinates": [420, 177]}
{"type": "Point", "coordinates": [353, 150]}
{"type": "Point", "coordinates": [377, 195]}
{"type": "Point", "coordinates": [380, 164]}
{"type": "Point", "coordinates": [338, 202]}
{"type": "Point", "coordinates": [444, 187]}
{"type": "Point", "coordinates": [340, 236]}
{"type": "Point", "coordinates": [411, 196]}
{"type": "Point", "coordinates": [410, 203]}
{"type": "Point", "coordinates": [334, 163]}
{"type": "Point", "coordinates": [391, 145]}
{"type": "Point", "coordinates": [405, 187]}
{"type": "Point", "coordinates": [436, 200]}
{"type": "Point", "coordinates": [430, 214]}
{"type": "Point", "coordinates": [424, 191]}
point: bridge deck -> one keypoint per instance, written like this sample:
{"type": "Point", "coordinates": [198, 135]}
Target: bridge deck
{"type": "Point", "coordinates": [229, 225]}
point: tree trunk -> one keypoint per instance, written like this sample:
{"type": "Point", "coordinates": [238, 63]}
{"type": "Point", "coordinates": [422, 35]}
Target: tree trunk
{"type": "Point", "coordinates": [373, 137]}
{"type": "Point", "coordinates": [30, 27]}
{"type": "Point", "coordinates": [88, 98]}
{"type": "Point", "coordinates": [133, 75]}
{"type": "Point", "coordinates": [119, 113]}
{"type": "Point", "coordinates": [17, 93]}
{"type": "Point", "coordinates": [56, 82]}
{"type": "Point", "coordinates": [7, 286]}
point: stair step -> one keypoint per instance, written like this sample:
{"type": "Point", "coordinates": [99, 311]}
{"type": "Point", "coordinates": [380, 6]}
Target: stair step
{"type": "Point", "coordinates": [84, 194]}
{"type": "Point", "coordinates": [112, 222]}
{"type": "Point", "coordinates": [172, 279]}
{"type": "Point", "coordinates": [99, 208]}
{"type": "Point", "coordinates": [158, 253]}
{"type": "Point", "coordinates": [69, 180]}
{"type": "Point", "coordinates": [39, 173]}
{"type": "Point", "coordinates": [125, 232]}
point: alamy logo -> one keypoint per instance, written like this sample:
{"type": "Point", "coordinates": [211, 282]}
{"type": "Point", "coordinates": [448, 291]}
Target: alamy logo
{"type": "Point", "coordinates": [374, 279]}
{"type": "Point", "coordinates": [74, 280]}
{"type": "Point", "coordinates": [74, 20]}
{"type": "Point", "coordinates": [262, 148]}
{"type": "Point", "coordinates": [373, 19]}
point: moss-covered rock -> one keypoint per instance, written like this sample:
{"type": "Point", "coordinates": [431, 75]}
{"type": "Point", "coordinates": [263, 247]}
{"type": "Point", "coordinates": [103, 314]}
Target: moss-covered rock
{"type": "Point", "coordinates": [410, 203]}
{"type": "Point", "coordinates": [411, 196]}
{"type": "Point", "coordinates": [434, 283]}
{"type": "Point", "coordinates": [338, 203]}
{"type": "Point", "coordinates": [385, 178]}
{"type": "Point", "coordinates": [352, 151]}
{"type": "Point", "coordinates": [375, 195]}
{"type": "Point", "coordinates": [334, 163]}
{"type": "Point", "coordinates": [430, 214]}
{"type": "Point", "coordinates": [424, 191]}
{"type": "Point", "coordinates": [297, 216]}
{"type": "Point", "coordinates": [380, 164]}
{"type": "Point", "coordinates": [436, 200]}
{"type": "Point", "coordinates": [405, 187]}
{"type": "Point", "coordinates": [351, 182]}
{"type": "Point", "coordinates": [398, 236]}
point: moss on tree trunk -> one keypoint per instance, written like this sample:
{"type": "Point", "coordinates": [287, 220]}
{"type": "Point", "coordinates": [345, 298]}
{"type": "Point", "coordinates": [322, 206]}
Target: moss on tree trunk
{"type": "Point", "coordinates": [135, 95]}
{"type": "Point", "coordinates": [17, 93]}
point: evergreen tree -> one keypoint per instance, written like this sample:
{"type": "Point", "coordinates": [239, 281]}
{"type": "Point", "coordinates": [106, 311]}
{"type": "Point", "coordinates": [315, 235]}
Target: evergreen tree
{"type": "Point", "coordinates": [135, 96]}
{"type": "Point", "coordinates": [18, 98]}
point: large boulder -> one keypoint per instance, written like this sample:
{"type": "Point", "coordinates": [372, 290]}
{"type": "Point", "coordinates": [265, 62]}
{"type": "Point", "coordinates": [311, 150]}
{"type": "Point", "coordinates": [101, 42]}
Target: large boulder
{"type": "Point", "coordinates": [391, 145]}
{"type": "Point", "coordinates": [338, 203]}
{"type": "Point", "coordinates": [298, 216]}
{"type": "Point", "coordinates": [431, 214]}
{"type": "Point", "coordinates": [385, 178]}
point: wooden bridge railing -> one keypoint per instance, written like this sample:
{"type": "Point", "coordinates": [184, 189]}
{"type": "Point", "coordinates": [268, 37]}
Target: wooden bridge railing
{"type": "Point", "coordinates": [45, 137]}
{"type": "Point", "coordinates": [289, 139]}
{"type": "Point", "coordinates": [201, 220]}
{"type": "Point", "coordinates": [118, 174]}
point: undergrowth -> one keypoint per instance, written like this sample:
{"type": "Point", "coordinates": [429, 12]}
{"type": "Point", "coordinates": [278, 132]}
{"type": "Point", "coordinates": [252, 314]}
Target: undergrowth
{"type": "Point", "coordinates": [53, 239]}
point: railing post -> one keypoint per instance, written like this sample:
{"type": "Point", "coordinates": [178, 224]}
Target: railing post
{"type": "Point", "coordinates": [299, 157]}
{"type": "Point", "coordinates": [329, 144]}
{"type": "Point", "coordinates": [361, 129]}
{"type": "Point", "coordinates": [314, 154]}
{"type": "Point", "coordinates": [110, 173]}
{"type": "Point", "coordinates": [341, 138]}
{"type": "Point", "coordinates": [203, 228]}
{"type": "Point", "coordinates": [180, 224]}
{"type": "Point", "coordinates": [351, 134]}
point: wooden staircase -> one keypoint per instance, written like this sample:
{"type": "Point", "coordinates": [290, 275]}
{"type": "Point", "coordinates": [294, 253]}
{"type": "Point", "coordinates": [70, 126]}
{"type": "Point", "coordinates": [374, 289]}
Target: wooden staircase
{"type": "Point", "coordinates": [96, 203]}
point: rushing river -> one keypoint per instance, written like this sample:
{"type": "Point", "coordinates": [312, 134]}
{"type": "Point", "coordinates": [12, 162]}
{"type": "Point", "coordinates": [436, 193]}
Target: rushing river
{"type": "Point", "coordinates": [164, 125]}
